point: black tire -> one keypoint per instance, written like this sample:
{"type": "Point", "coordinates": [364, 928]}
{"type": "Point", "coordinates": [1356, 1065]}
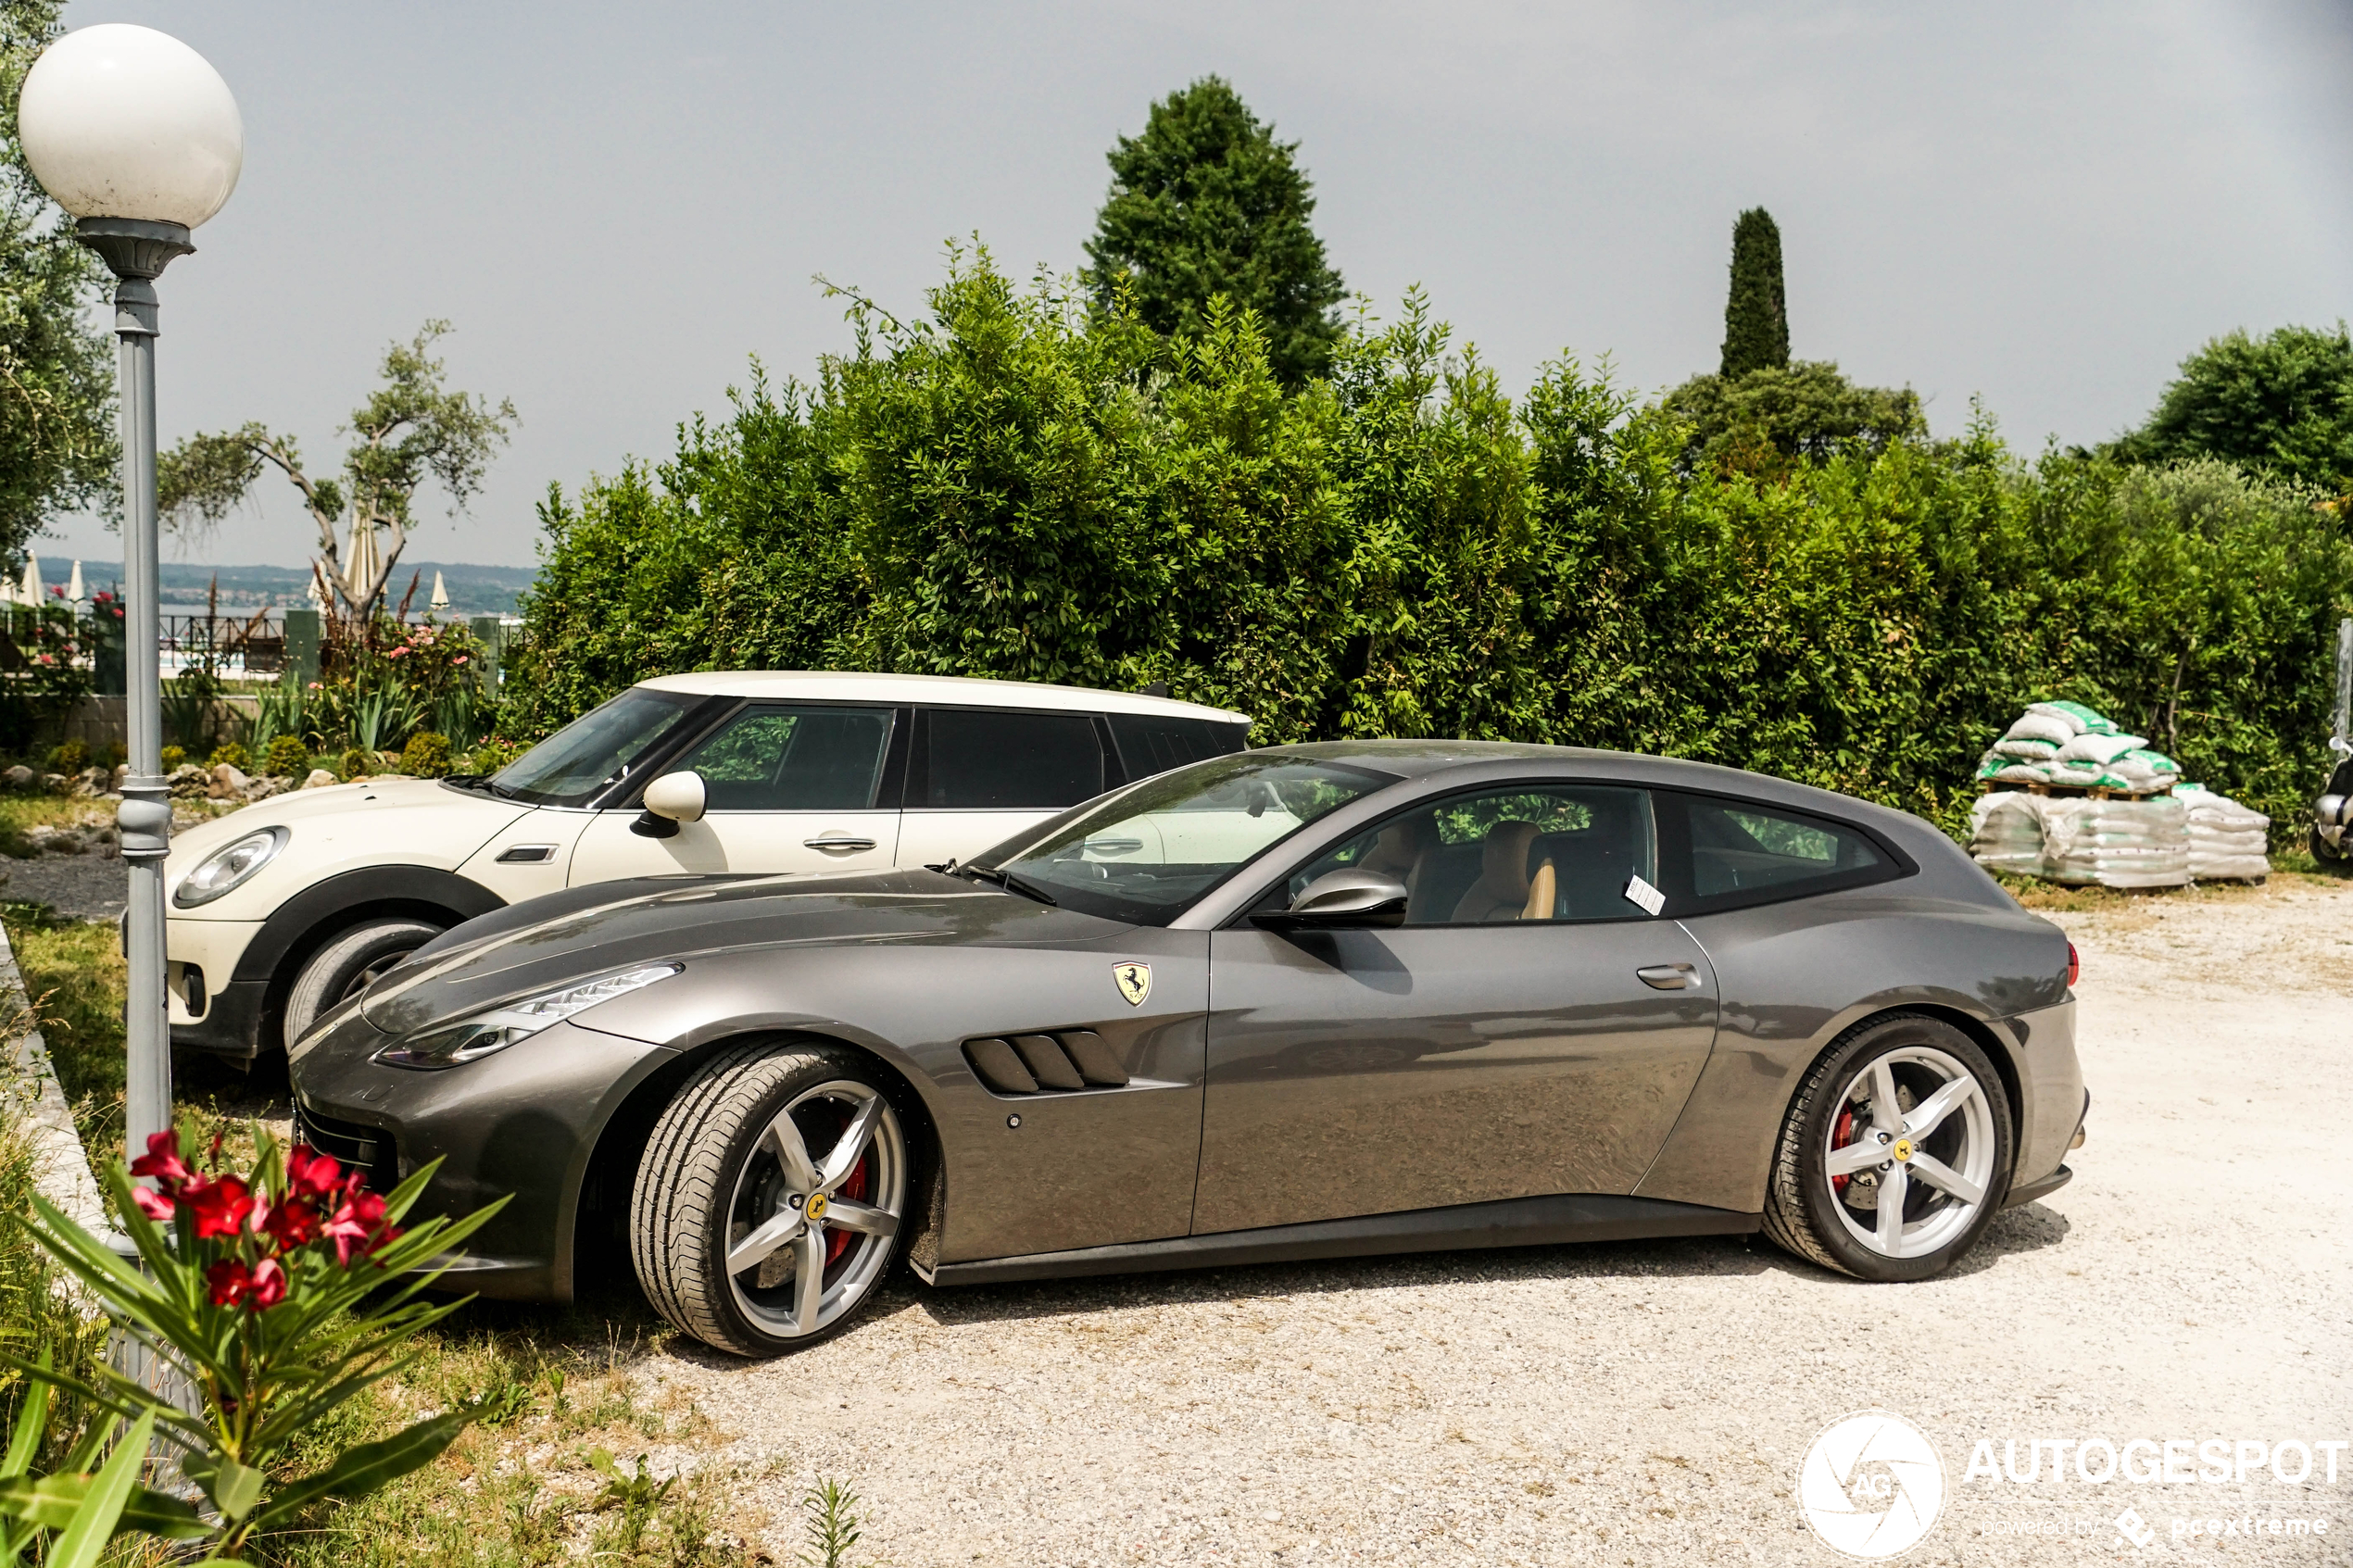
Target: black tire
{"type": "Point", "coordinates": [344, 966]}
{"type": "Point", "coordinates": [1815, 1215]}
{"type": "Point", "coordinates": [2329, 858]}
{"type": "Point", "coordinates": [712, 1179]}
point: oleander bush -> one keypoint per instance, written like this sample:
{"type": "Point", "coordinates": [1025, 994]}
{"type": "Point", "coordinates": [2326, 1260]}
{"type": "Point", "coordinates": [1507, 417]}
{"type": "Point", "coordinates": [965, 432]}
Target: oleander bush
{"type": "Point", "coordinates": [1020, 484]}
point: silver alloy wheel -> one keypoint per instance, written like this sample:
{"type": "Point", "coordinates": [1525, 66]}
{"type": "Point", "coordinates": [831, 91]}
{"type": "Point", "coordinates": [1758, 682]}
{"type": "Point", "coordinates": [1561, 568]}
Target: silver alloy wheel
{"type": "Point", "coordinates": [788, 1207]}
{"type": "Point", "coordinates": [1928, 1168]}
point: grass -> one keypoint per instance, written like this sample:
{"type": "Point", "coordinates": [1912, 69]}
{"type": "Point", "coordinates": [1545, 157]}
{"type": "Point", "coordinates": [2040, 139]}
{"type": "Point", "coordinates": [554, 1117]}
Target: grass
{"type": "Point", "coordinates": [20, 813]}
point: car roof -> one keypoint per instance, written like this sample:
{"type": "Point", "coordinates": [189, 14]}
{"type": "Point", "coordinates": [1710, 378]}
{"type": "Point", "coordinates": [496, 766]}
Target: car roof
{"type": "Point", "coordinates": [1420, 758]}
{"type": "Point", "coordinates": [952, 691]}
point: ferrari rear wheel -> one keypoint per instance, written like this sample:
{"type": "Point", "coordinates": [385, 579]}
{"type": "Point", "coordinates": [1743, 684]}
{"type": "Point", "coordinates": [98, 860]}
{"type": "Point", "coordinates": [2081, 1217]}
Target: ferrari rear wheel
{"type": "Point", "coordinates": [767, 1200]}
{"type": "Point", "coordinates": [1896, 1153]}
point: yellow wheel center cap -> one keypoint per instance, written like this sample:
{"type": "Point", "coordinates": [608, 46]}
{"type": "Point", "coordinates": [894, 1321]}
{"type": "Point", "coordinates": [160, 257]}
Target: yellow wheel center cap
{"type": "Point", "coordinates": [1902, 1149]}
{"type": "Point", "coordinates": [818, 1202]}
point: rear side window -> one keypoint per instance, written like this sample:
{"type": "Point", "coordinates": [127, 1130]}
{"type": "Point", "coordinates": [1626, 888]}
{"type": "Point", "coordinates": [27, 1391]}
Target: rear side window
{"type": "Point", "coordinates": [1149, 743]}
{"type": "Point", "coordinates": [982, 759]}
{"type": "Point", "coordinates": [1730, 854]}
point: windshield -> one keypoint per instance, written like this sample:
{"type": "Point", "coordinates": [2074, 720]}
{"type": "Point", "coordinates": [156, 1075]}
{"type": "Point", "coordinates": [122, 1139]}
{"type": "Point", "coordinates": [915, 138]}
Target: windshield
{"type": "Point", "coordinates": [1146, 853]}
{"type": "Point", "coordinates": [594, 749]}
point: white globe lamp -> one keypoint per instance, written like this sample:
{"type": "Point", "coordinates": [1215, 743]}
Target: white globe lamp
{"type": "Point", "coordinates": [136, 135]}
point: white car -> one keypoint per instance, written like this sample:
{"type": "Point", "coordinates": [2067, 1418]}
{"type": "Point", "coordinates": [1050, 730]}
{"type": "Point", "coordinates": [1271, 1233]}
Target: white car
{"type": "Point", "coordinates": [278, 911]}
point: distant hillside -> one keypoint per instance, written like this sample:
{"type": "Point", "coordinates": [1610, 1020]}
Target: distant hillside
{"type": "Point", "coordinates": [473, 590]}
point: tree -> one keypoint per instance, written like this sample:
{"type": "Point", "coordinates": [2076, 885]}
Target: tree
{"type": "Point", "coordinates": [58, 442]}
{"type": "Point", "coordinates": [2282, 403]}
{"type": "Point", "coordinates": [1766, 421]}
{"type": "Point", "coordinates": [1756, 311]}
{"type": "Point", "coordinates": [411, 430]}
{"type": "Point", "coordinates": [1206, 202]}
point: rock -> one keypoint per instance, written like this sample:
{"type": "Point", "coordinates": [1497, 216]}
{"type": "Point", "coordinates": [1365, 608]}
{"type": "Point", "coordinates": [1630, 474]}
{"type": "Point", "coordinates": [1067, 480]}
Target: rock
{"type": "Point", "coordinates": [229, 781]}
{"type": "Point", "coordinates": [188, 782]}
{"type": "Point", "coordinates": [90, 782]}
{"type": "Point", "coordinates": [261, 788]}
{"type": "Point", "coordinates": [54, 783]}
{"type": "Point", "coordinates": [19, 777]}
{"type": "Point", "coordinates": [121, 773]}
{"type": "Point", "coordinates": [320, 779]}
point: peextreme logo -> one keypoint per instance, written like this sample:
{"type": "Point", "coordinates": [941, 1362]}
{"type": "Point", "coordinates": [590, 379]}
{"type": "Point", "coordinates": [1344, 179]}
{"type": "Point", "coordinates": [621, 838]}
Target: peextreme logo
{"type": "Point", "coordinates": [1871, 1485]}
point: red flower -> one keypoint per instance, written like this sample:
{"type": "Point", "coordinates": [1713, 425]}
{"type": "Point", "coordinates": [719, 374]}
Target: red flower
{"type": "Point", "coordinates": [163, 1163]}
{"type": "Point", "coordinates": [358, 1222]}
{"type": "Point", "coordinates": [460, 659]}
{"type": "Point", "coordinates": [220, 1207]}
{"type": "Point", "coordinates": [395, 652]}
{"type": "Point", "coordinates": [269, 1284]}
{"type": "Point", "coordinates": [310, 1173]}
{"type": "Point", "coordinates": [230, 1281]}
{"type": "Point", "coordinates": [153, 1204]}
{"type": "Point", "coordinates": [292, 1223]}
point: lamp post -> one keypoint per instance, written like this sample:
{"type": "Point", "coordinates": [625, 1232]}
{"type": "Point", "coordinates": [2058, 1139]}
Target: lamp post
{"type": "Point", "coordinates": [134, 134]}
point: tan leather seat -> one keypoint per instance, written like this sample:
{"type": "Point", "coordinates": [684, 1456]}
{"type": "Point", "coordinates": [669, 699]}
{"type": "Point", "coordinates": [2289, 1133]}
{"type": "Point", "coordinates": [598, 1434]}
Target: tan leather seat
{"type": "Point", "coordinates": [1506, 889]}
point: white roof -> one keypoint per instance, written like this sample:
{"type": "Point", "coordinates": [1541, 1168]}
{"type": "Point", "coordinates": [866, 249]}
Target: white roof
{"type": "Point", "coordinates": [953, 691]}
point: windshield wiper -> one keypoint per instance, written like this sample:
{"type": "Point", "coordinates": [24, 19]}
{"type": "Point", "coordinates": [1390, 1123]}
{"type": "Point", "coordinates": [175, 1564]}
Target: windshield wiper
{"type": "Point", "coordinates": [1009, 882]}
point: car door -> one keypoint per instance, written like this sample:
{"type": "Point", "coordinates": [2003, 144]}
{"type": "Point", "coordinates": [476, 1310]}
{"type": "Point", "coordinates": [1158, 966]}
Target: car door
{"type": "Point", "coordinates": [787, 787]}
{"type": "Point", "coordinates": [1534, 1029]}
{"type": "Point", "coordinates": [976, 776]}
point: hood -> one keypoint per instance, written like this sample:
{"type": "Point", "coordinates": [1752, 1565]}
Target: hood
{"type": "Point", "coordinates": [363, 803]}
{"type": "Point", "coordinates": [567, 937]}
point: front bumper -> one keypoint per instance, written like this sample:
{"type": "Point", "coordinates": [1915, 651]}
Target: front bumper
{"type": "Point", "coordinates": [229, 1020]}
{"type": "Point", "coordinates": [521, 1124]}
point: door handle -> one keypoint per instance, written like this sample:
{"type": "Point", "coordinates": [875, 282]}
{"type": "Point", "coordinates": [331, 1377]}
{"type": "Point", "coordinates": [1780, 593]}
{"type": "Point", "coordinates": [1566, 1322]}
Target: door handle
{"type": "Point", "coordinates": [838, 841]}
{"type": "Point", "coordinates": [1670, 976]}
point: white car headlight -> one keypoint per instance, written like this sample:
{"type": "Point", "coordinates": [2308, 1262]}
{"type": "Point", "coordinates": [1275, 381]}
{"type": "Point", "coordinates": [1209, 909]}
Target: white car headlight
{"type": "Point", "coordinates": [447, 1045]}
{"type": "Point", "coordinates": [229, 867]}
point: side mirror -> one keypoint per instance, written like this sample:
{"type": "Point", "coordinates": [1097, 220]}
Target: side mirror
{"type": "Point", "coordinates": [1342, 900]}
{"type": "Point", "coordinates": [670, 800]}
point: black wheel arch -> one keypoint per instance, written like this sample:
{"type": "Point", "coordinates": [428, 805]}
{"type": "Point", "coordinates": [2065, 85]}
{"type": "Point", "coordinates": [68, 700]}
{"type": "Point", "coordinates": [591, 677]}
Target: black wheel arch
{"type": "Point", "coordinates": [327, 909]}
{"type": "Point", "coordinates": [600, 1212]}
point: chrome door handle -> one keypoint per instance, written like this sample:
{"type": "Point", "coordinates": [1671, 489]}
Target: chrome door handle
{"type": "Point", "coordinates": [1670, 976]}
{"type": "Point", "coordinates": [838, 841]}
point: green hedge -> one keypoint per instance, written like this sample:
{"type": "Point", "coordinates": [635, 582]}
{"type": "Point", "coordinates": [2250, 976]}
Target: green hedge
{"type": "Point", "coordinates": [1014, 486]}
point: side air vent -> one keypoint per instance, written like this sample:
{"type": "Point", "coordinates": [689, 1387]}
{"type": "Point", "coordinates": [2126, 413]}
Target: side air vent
{"type": "Point", "coordinates": [1029, 1064]}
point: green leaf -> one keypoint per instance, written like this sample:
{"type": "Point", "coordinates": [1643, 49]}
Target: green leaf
{"type": "Point", "coordinates": [369, 1466]}
{"type": "Point", "coordinates": [26, 1441]}
{"type": "Point", "coordinates": [235, 1488]}
{"type": "Point", "coordinates": [51, 1502]}
{"type": "Point", "coordinates": [86, 1534]}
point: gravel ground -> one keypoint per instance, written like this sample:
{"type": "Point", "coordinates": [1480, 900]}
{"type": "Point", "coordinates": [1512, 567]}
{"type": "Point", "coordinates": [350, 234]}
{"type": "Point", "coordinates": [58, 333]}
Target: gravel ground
{"type": "Point", "coordinates": [91, 885]}
{"type": "Point", "coordinates": [1650, 1403]}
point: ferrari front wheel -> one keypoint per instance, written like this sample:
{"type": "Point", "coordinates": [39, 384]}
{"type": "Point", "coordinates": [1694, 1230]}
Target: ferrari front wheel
{"type": "Point", "coordinates": [767, 1200]}
{"type": "Point", "coordinates": [1896, 1155]}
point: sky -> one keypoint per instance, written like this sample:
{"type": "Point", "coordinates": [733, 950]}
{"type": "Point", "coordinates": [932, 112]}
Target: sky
{"type": "Point", "coordinates": [616, 207]}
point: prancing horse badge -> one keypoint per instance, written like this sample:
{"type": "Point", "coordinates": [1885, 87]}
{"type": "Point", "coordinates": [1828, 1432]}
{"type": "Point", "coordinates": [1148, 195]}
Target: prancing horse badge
{"type": "Point", "coordinates": [1135, 980]}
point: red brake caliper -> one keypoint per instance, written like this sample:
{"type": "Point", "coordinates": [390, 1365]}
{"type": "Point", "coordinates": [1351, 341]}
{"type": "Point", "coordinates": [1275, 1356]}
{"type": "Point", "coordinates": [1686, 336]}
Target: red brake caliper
{"type": "Point", "coordinates": [1841, 1134]}
{"type": "Point", "coordinates": [853, 1187]}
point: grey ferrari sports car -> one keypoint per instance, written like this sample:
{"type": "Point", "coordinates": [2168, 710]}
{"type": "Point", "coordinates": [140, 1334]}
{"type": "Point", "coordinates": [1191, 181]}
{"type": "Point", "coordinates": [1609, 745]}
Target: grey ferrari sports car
{"type": "Point", "coordinates": [1305, 1002]}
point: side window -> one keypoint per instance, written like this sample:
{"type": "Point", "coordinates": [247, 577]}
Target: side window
{"type": "Point", "coordinates": [1541, 852]}
{"type": "Point", "coordinates": [981, 760]}
{"type": "Point", "coordinates": [794, 759]}
{"type": "Point", "coordinates": [1739, 852]}
{"type": "Point", "coordinates": [1149, 743]}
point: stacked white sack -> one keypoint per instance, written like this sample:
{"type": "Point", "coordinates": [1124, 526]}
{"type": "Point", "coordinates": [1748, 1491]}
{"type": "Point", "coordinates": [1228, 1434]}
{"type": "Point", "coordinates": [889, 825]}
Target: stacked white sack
{"type": "Point", "coordinates": [2228, 841]}
{"type": "Point", "coordinates": [2066, 743]}
{"type": "Point", "coordinates": [2006, 832]}
{"type": "Point", "coordinates": [2117, 843]}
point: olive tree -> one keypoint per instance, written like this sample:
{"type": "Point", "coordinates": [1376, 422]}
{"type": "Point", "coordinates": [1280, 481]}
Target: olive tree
{"type": "Point", "coordinates": [411, 429]}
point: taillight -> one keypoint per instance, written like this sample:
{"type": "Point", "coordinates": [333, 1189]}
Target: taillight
{"type": "Point", "coordinates": [2075, 964]}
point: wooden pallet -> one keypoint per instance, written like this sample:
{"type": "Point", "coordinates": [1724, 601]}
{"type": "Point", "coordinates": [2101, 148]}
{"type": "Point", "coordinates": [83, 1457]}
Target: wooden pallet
{"type": "Point", "coordinates": [2067, 792]}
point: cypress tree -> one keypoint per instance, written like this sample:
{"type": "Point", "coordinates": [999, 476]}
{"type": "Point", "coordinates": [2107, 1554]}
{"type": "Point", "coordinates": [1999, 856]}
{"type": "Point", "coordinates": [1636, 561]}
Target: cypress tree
{"type": "Point", "coordinates": [1204, 203]}
{"type": "Point", "coordinates": [1757, 313]}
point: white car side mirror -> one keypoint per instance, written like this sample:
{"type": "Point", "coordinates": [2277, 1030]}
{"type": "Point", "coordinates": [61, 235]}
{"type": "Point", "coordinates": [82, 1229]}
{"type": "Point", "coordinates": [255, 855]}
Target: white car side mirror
{"type": "Point", "coordinates": [670, 800]}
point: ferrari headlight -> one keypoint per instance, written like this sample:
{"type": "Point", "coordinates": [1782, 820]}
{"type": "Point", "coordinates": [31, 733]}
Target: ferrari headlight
{"type": "Point", "coordinates": [447, 1045]}
{"type": "Point", "coordinates": [229, 868]}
